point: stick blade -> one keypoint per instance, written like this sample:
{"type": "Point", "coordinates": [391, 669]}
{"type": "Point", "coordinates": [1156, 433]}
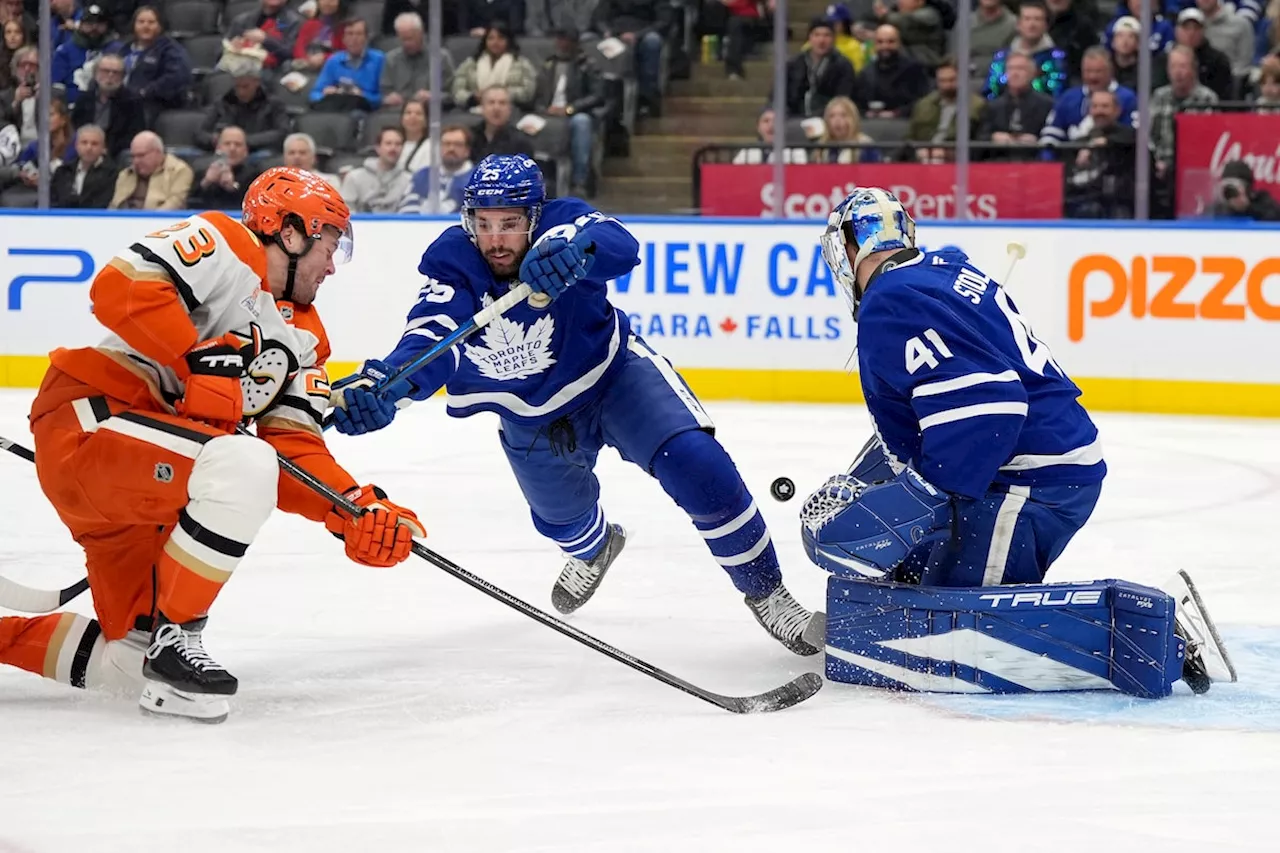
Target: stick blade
{"type": "Point", "coordinates": [792, 693]}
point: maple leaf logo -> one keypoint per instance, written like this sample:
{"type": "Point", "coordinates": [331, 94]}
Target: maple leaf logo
{"type": "Point", "coordinates": [513, 351]}
{"type": "Point", "coordinates": [728, 326]}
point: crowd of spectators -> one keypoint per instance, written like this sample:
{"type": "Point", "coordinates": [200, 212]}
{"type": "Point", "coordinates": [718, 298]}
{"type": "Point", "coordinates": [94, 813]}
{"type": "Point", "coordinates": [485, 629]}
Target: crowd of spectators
{"type": "Point", "coordinates": [1051, 80]}
{"type": "Point", "coordinates": [181, 103]}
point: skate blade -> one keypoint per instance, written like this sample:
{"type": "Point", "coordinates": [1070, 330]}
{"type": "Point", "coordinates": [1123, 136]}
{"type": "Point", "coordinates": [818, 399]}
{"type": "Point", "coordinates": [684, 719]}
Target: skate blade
{"type": "Point", "coordinates": [1194, 620]}
{"type": "Point", "coordinates": [166, 701]}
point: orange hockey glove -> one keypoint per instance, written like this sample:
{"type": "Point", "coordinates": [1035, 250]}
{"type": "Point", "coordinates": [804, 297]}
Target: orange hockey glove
{"type": "Point", "coordinates": [211, 371]}
{"type": "Point", "coordinates": [380, 537]}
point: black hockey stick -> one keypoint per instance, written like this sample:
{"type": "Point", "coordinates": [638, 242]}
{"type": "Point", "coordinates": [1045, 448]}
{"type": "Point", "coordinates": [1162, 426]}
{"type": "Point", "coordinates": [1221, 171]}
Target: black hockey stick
{"type": "Point", "coordinates": [792, 693]}
{"type": "Point", "coordinates": [26, 599]}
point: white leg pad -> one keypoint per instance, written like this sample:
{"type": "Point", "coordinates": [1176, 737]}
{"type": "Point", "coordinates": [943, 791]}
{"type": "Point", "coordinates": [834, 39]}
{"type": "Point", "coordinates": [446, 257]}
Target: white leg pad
{"type": "Point", "coordinates": [116, 666]}
{"type": "Point", "coordinates": [234, 486]}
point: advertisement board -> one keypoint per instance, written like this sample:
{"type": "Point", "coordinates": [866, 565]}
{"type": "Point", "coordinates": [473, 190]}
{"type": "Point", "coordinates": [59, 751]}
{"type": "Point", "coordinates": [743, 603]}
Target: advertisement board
{"type": "Point", "coordinates": [1147, 319]}
{"type": "Point", "coordinates": [996, 190]}
{"type": "Point", "coordinates": [1208, 141]}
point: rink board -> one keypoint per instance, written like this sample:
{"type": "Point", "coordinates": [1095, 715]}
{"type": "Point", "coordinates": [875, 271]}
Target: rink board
{"type": "Point", "coordinates": [1179, 318]}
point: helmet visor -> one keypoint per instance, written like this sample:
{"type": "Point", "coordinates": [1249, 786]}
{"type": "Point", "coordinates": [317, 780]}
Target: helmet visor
{"type": "Point", "coordinates": [346, 247]}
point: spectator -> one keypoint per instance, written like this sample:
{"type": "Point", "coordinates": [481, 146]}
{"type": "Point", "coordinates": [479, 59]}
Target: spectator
{"type": "Point", "coordinates": [993, 27]}
{"type": "Point", "coordinates": [111, 106]}
{"type": "Point", "coordinates": [817, 74]}
{"type": "Point", "coordinates": [544, 17]}
{"type": "Point", "coordinates": [324, 31]}
{"type": "Point", "coordinates": [1100, 182]}
{"type": "Point", "coordinates": [455, 171]}
{"type": "Point", "coordinates": [496, 62]}
{"type": "Point", "coordinates": [156, 68]}
{"type": "Point", "coordinates": [1161, 30]}
{"type": "Point", "coordinates": [892, 82]}
{"type": "Point", "coordinates": [89, 180]}
{"type": "Point", "coordinates": [379, 183]}
{"type": "Point", "coordinates": [264, 119]}
{"type": "Point", "coordinates": [10, 140]}
{"type": "Point", "coordinates": [14, 38]}
{"type": "Point", "coordinates": [1018, 115]}
{"type": "Point", "coordinates": [1072, 31]}
{"type": "Point", "coordinates": [73, 61]}
{"type": "Point", "coordinates": [12, 10]}
{"type": "Point", "coordinates": [738, 22]}
{"type": "Point", "coordinates": [842, 128]}
{"type": "Point", "coordinates": [1032, 40]}
{"type": "Point", "coordinates": [1268, 100]}
{"type": "Point", "coordinates": [919, 28]}
{"type": "Point", "coordinates": [62, 22]}
{"type": "Point", "coordinates": [570, 89]}
{"type": "Point", "coordinates": [274, 28]}
{"type": "Point", "coordinates": [417, 145]}
{"type": "Point", "coordinates": [119, 13]}
{"type": "Point", "coordinates": [62, 146]}
{"type": "Point", "coordinates": [641, 25]}
{"type": "Point", "coordinates": [350, 78]}
{"type": "Point", "coordinates": [1184, 89]}
{"type": "Point", "coordinates": [1237, 198]}
{"type": "Point", "coordinates": [1126, 36]}
{"type": "Point", "coordinates": [227, 177]}
{"type": "Point", "coordinates": [763, 152]}
{"type": "Point", "coordinates": [21, 101]}
{"type": "Point", "coordinates": [154, 180]}
{"type": "Point", "coordinates": [847, 43]}
{"type": "Point", "coordinates": [406, 73]}
{"type": "Point", "coordinates": [495, 135]}
{"type": "Point", "coordinates": [300, 152]}
{"type": "Point", "coordinates": [1214, 67]}
{"type": "Point", "coordinates": [1229, 33]}
{"type": "Point", "coordinates": [478, 16]}
{"type": "Point", "coordinates": [933, 118]}
{"type": "Point", "coordinates": [1071, 118]}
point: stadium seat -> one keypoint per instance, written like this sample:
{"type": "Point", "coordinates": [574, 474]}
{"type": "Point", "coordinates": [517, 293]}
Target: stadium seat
{"type": "Point", "coordinates": [296, 103]}
{"type": "Point", "coordinates": [215, 86]}
{"type": "Point", "coordinates": [188, 18]}
{"type": "Point", "coordinates": [370, 11]}
{"type": "Point", "coordinates": [386, 44]}
{"type": "Point", "coordinates": [178, 127]}
{"type": "Point", "coordinates": [204, 52]}
{"type": "Point", "coordinates": [335, 163]}
{"type": "Point", "coordinates": [236, 8]}
{"type": "Point", "coordinates": [461, 47]}
{"type": "Point", "coordinates": [374, 124]}
{"type": "Point", "coordinates": [537, 50]}
{"type": "Point", "coordinates": [19, 197]}
{"type": "Point", "coordinates": [331, 131]}
{"type": "Point", "coordinates": [886, 129]}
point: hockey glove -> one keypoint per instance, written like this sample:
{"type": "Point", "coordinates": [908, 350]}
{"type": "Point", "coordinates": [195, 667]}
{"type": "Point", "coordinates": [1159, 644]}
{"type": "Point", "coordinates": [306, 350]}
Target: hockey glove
{"type": "Point", "coordinates": [556, 262]}
{"type": "Point", "coordinates": [850, 528]}
{"type": "Point", "coordinates": [211, 371]}
{"type": "Point", "coordinates": [363, 402]}
{"type": "Point", "coordinates": [382, 536]}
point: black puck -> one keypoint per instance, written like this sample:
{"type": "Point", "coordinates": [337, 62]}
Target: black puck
{"type": "Point", "coordinates": [783, 489]}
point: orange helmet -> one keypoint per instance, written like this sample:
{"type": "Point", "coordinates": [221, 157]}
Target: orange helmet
{"type": "Point", "coordinates": [287, 195]}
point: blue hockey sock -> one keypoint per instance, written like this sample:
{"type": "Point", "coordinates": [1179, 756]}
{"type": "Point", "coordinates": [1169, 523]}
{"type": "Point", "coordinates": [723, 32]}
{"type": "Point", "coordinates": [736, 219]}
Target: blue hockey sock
{"type": "Point", "coordinates": [582, 537]}
{"type": "Point", "coordinates": [701, 478]}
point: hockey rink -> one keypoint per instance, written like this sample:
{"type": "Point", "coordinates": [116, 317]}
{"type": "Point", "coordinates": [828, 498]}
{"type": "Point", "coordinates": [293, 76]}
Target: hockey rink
{"type": "Point", "coordinates": [400, 710]}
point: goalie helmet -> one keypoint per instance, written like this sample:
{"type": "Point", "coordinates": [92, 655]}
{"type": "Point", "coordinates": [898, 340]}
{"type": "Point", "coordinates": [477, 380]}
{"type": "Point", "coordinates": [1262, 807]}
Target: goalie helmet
{"type": "Point", "coordinates": [870, 220]}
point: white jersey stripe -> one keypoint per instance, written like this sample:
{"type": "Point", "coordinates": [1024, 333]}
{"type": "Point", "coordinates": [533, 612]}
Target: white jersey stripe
{"type": "Point", "coordinates": [1090, 454]}
{"type": "Point", "coordinates": [961, 413]}
{"type": "Point", "coordinates": [946, 386]}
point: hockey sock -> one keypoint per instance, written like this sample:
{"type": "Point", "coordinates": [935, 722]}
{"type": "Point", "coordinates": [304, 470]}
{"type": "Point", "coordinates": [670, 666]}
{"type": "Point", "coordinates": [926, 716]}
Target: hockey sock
{"type": "Point", "coordinates": [59, 646]}
{"type": "Point", "coordinates": [701, 478]}
{"type": "Point", "coordinates": [582, 537]}
{"type": "Point", "coordinates": [233, 488]}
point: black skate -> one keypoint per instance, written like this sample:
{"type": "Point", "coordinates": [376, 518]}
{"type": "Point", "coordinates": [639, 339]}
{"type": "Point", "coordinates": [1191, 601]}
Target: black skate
{"type": "Point", "coordinates": [579, 578]}
{"type": "Point", "coordinates": [182, 680]}
{"type": "Point", "coordinates": [1206, 659]}
{"type": "Point", "coordinates": [788, 622]}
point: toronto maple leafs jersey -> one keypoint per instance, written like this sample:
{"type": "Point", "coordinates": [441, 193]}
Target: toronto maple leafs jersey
{"type": "Point", "coordinates": [530, 365]}
{"type": "Point", "coordinates": [958, 386]}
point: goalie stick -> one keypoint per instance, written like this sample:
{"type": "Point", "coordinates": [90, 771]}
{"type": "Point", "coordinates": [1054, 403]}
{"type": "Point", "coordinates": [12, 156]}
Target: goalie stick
{"type": "Point", "coordinates": [792, 693]}
{"type": "Point", "coordinates": [26, 599]}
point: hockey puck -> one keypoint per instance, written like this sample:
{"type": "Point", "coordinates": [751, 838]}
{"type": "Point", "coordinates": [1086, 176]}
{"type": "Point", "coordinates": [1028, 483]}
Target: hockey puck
{"type": "Point", "coordinates": [783, 489]}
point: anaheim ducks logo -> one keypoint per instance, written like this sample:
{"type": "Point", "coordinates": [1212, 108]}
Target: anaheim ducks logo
{"type": "Point", "coordinates": [271, 367]}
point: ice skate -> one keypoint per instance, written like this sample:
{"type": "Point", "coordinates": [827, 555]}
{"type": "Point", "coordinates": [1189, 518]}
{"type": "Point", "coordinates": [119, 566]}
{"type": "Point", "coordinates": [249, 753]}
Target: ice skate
{"type": "Point", "coordinates": [788, 622]}
{"type": "Point", "coordinates": [579, 578]}
{"type": "Point", "coordinates": [1206, 659]}
{"type": "Point", "coordinates": [182, 680]}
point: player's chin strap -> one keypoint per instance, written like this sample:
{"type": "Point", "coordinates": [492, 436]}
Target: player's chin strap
{"type": "Point", "coordinates": [293, 257]}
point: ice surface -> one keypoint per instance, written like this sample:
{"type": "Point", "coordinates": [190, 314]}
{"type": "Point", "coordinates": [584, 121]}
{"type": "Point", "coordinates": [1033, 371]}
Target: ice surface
{"type": "Point", "coordinates": [400, 710]}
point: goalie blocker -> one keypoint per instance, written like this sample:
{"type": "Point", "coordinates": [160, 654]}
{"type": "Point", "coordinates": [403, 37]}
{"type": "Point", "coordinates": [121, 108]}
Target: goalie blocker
{"type": "Point", "coordinates": [1025, 638]}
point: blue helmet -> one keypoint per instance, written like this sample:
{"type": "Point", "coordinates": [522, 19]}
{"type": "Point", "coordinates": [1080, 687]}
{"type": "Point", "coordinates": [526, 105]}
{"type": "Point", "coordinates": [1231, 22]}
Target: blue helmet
{"type": "Point", "coordinates": [504, 180]}
{"type": "Point", "coordinates": [871, 220]}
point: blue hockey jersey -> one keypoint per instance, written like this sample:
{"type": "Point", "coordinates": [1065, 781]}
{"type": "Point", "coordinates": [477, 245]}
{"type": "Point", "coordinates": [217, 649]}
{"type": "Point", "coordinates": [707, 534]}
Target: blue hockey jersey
{"type": "Point", "coordinates": [530, 365]}
{"type": "Point", "coordinates": [1070, 119]}
{"type": "Point", "coordinates": [960, 389]}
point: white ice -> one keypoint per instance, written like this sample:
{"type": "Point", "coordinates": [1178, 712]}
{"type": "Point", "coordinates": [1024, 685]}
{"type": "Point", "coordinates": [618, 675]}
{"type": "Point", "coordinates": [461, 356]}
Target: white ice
{"type": "Point", "coordinates": [400, 710]}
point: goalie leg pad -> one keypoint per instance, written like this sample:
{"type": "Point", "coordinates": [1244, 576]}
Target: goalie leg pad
{"type": "Point", "coordinates": [1011, 639]}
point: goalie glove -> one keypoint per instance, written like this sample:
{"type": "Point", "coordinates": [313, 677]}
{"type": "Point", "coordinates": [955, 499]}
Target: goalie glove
{"type": "Point", "coordinates": [560, 258]}
{"type": "Point", "coordinates": [382, 536]}
{"type": "Point", "coordinates": [850, 527]}
{"type": "Point", "coordinates": [363, 402]}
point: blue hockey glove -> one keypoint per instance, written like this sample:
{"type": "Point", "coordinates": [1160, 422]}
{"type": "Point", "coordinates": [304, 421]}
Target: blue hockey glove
{"type": "Point", "coordinates": [363, 402]}
{"type": "Point", "coordinates": [557, 262]}
{"type": "Point", "coordinates": [850, 527]}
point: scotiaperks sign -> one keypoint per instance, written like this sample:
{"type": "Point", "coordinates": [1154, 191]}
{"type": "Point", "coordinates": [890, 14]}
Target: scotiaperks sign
{"type": "Point", "coordinates": [1171, 287]}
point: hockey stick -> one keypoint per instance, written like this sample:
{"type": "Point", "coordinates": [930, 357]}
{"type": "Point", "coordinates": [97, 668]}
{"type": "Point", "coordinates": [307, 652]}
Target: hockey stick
{"type": "Point", "coordinates": [793, 692]}
{"type": "Point", "coordinates": [26, 599]}
{"type": "Point", "coordinates": [478, 321]}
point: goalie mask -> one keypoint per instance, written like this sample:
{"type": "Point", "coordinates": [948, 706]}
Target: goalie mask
{"type": "Point", "coordinates": [869, 220]}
